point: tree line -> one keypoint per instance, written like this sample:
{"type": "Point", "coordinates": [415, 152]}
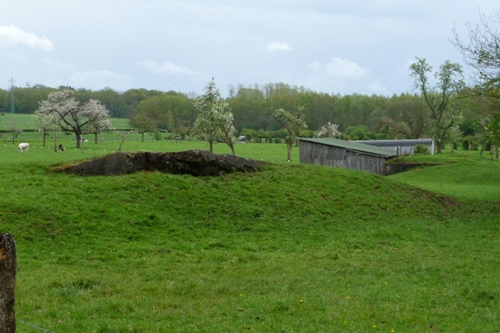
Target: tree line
{"type": "Point", "coordinates": [445, 109]}
{"type": "Point", "coordinates": [358, 116]}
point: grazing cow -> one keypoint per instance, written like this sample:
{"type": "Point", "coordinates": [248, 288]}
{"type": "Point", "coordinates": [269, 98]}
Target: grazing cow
{"type": "Point", "coordinates": [61, 148]}
{"type": "Point", "coordinates": [23, 146]}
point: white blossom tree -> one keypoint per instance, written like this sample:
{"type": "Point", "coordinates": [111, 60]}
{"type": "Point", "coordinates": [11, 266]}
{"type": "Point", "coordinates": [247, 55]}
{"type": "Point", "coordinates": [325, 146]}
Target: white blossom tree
{"type": "Point", "coordinates": [292, 123]}
{"type": "Point", "coordinates": [98, 125]}
{"type": "Point", "coordinates": [69, 115]}
{"type": "Point", "coordinates": [215, 120]}
{"type": "Point", "coordinates": [46, 124]}
{"type": "Point", "coordinates": [328, 131]}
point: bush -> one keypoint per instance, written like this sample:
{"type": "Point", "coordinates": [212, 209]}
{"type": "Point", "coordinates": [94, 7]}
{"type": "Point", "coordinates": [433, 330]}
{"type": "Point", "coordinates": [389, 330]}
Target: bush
{"type": "Point", "coordinates": [421, 150]}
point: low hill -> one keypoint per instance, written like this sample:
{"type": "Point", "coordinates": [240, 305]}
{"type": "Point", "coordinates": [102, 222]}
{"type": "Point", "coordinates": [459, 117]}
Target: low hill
{"type": "Point", "coordinates": [291, 248]}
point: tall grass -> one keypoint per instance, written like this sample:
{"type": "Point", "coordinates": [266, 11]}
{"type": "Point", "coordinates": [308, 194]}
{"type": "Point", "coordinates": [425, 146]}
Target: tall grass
{"type": "Point", "coordinates": [292, 248]}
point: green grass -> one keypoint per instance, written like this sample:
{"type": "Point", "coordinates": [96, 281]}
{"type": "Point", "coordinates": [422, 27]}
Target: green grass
{"type": "Point", "coordinates": [25, 121]}
{"type": "Point", "coordinates": [293, 248]}
{"type": "Point", "coordinates": [462, 175]}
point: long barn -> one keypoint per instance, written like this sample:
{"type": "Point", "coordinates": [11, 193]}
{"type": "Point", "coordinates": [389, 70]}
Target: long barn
{"type": "Point", "coordinates": [344, 154]}
{"type": "Point", "coordinates": [403, 147]}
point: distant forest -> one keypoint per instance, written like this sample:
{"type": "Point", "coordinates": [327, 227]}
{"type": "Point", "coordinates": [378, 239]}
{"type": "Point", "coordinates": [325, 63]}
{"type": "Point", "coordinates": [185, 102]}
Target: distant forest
{"type": "Point", "coordinates": [397, 116]}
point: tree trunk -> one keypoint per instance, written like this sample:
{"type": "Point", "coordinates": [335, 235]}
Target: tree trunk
{"type": "Point", "coordinates": [78, 139]}
{"type": "Point", "coordinates": [55, 141]}
{"type": "Point", "coordinates": [8, 266]}
{"type": "Point", "coordinates": [439, 147]}
{"type": "Point", "coordinates": [289, 148]}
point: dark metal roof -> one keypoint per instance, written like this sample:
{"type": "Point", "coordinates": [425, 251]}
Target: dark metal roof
{"type": "Point", "coordinates": [395, 143]}
{"type": "Point", "coordinates": [354, 146]}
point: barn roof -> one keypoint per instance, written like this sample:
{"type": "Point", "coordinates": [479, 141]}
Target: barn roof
{"type": "Point", "coordinates": [353, 146]}
{"type": "Point", "coordinates": [394, 143]}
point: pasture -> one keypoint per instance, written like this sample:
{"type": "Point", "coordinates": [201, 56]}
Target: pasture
{"type": "Point", "coordinates": [292, 248]}
{"type": "Point", "coordinates": [25, 121]}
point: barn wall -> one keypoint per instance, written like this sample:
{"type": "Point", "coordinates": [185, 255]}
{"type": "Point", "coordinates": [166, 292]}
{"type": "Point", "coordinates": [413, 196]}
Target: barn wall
{"type": "Point", "coordinates": [319, 154]}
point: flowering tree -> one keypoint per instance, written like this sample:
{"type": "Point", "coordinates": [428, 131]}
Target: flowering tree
{"type": "Point", "coordinates": [292, 123]}
{"type": "Point", "coordinates": [98, 125]}
{"type": "Point", "coordinates": [67, 113]}
{"type": "Point", "coordinates": [215, 121]}
{"type": "Point", "coordinates": [47, 123]}
{"type": "Point", "coordinates": [328, 131]}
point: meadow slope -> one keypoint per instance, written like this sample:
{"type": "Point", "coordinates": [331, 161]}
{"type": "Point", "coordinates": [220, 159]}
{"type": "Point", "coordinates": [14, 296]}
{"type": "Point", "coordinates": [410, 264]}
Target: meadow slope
{"type": "Point", "coordinates": [292, 248]}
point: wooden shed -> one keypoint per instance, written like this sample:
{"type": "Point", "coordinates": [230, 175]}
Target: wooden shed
{"type": "Point", "coordinates": [403, 147]}
{"type": "Point", "coordinates": [344, 154]}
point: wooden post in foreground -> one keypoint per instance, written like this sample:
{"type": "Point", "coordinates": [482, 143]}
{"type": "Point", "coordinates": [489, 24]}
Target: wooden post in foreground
{"type": "Point", "coordinates": [8, 268]}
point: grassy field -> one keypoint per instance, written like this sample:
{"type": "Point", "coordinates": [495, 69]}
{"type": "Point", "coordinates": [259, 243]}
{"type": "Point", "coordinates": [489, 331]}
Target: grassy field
{"type": "Point", "coordinates": [293, 248]}
{"type": "Point", "coordinates": [25, 121]}
{"type": "Point", "coordinates": [462, 174]}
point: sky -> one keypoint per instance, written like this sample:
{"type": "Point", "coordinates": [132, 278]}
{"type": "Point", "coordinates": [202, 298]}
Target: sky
{"type": "Point", "coordinates": [328, 46]}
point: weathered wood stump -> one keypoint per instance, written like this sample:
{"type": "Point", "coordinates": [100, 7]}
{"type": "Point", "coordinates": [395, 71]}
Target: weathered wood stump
{"type": "Point", "coordinates": [8, 266]}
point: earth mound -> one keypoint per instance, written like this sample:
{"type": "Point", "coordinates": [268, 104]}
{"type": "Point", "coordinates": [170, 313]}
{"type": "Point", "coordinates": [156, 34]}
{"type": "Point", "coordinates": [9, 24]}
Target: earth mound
{"type": "Point", "coordinates": [194, 162]}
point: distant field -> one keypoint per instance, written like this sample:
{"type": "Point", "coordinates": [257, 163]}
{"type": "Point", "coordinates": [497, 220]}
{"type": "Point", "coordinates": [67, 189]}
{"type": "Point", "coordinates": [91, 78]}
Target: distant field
{"type": "Point", "coordinates": [24, 121]}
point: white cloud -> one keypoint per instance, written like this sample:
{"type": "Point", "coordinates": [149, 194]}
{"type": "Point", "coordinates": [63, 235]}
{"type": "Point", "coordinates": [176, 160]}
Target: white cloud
{"type": "Point", "coordinates": [166, 67]}
{"type": "Point", "coordinates": [340, 68]}
{"type": "Point", "coordinates": [11, 35]}
{"type": "Point", "coordinates": [277, 46]}
{"type": "Point", "coordinates": [378, 88]}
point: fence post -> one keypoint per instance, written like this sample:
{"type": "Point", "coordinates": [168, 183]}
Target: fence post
{"type": "Point", "coordinates": [8, 268]}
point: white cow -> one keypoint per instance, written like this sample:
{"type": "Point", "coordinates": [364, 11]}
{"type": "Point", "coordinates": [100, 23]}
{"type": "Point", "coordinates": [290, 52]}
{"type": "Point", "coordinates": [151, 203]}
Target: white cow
{"type": "Point", "coordinates": [23, 146]}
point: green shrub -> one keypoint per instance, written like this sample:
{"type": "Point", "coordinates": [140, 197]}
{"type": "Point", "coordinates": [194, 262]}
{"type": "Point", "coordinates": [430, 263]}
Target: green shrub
{"type": "Point", "coordinates": [421, 150]}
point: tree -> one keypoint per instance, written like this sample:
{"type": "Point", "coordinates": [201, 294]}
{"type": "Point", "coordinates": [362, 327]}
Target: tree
{"type": "Point", "coordinates": [439, 98]}
{"type": "Point", "coordinates": [143, 122]}
{"type": "Point", "coordinates": [98, 125]}
{"type": "Point", "coordinates": [170, 121]}
{"type": "Point", "coordinates": [214, 123]}
{"type": "Point", "coordinates": [292, 123]}
{"type": "Point", "coordinates": [15, 130]}
{"type": "Point", "coordinates": [46, 123]}
{"type": "Point", "coordinates": [70, 115]}
{"type": "Point", "coordinates": [482, 51]}
{"type": "Point", "coordinates": [414, 115]}
{"type": "Point", "coordinates": [328, 131]}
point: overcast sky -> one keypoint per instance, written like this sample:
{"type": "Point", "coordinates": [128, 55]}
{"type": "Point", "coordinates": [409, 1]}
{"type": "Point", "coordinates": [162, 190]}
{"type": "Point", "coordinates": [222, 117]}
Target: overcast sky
{"type": "Point", "coordinates": [329, 46]}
